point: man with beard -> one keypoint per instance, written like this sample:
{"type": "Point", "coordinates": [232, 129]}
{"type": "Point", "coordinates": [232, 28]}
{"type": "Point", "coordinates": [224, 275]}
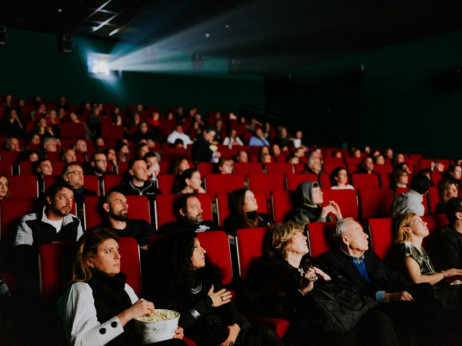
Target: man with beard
{"type": "Point", "coordinates": [53, 223]}
{"type": "Point", "coordinates": [98, 167]}
{"type": "Point", "coordinates": [188, 210]}
{"type": "Point", "coordinates": [115, 208]}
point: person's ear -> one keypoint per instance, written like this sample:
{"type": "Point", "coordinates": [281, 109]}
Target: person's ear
{"type": "Point", "coordinates": [49, 200]}
{"type": "Point", "coordinates": [106, 207]}
{"type": "Point", "coordinates": [89, 262]}
{"type": "Point", "coordinates": [458, 215]}
{"type": "Point", "coordinates": [407, 230]}
{"type": "Point", "coordinates": [132, 172]}
{"type": "Point", "coordinates": [182, 213]}
{"type": "Point", "coordinates": [65, 178]}
{"type": "Point", "coordinates": [345, 240]}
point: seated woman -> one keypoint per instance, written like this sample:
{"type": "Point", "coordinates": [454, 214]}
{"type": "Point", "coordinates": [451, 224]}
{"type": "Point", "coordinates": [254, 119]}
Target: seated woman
{"type": "Point", "coordinates": [188, 283]}
{"type": "Point", "coordinates": [400, 178]}
{"type": "Point", "coordinates": [4, 187]}
{"type": "Point", "coordinates": [244, 213]}
{"type": "Point", "coordinates": [179, 166]}
{"type": "Point", "coordinates": [412, 260]}
{"type": "Point", "coordinates": [188, 182]}
{"type": "Point", "coordinates": [447, 190]}
{"type": "Point", "coordinates": [98, 308]}
{"type": "Point", "coordinates": [232, 139]}
{"type": "Point", "coordinates": [309, 210]}
{"type": "Point", "coordinates": [339, 179]}
{"type": "Point", "coordinates": [279, 284]}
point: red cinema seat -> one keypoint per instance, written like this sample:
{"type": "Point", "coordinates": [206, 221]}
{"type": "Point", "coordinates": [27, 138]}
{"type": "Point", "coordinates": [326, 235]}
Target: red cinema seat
{"type": "Point", "coordinates": [223, 207]}
{"type": "Point", "coordinates": [109, 131]}
{"type": "Point", "coordinates": [433, 198]}
{"type": "Point", "coordinates": [217, 246]}
{"type": "Point", "coordinates": [90, 182]}
{"type": "Point", "coordinates": [283, 203]}
{"type": "Point", "coordinates": [435, 222]}
{"type": "Point", "coordinates": [7, 167]}
{"type": "Point", "coordinates": [365, 181]}
{"type": "Point", "coordinates": [319, 237]}
{"type": "Point", "coordinates": [279, 168]}
{"type": "Point", "coordinates": [346, 199]}
{"type": "Point", "coordinates": [381, 235]}
{"type": "Point", "coordinates": [55, 262]}
{"type": "Point", "coordinates": [385, 180]}
{"type": "Point", "coordinates": [265, 183]}
{"type": "Point", "coordinates": [383, 169]}
{"type": "Point", "coordinates": [72, 130]}
{"type": "Point", "coordinates": [329, 167]}
{"type": "Point", "coordinates": [23, 186]}
{"type": "Point", "coordinates": [165, 213]}
{"type": "Point", "coordinates": [249, 243]}
{"type": "Point", "coordinates": [130, 262]}
{"type": "Point", "coordinates": [324, 180]}
{"type": "Point", "coordinates": [293, 180]}
{"type": "Point", "coordinates": [10, 156]}
{"type": "Point", "coordinates": [246, 168]}
{"type": "Point", "coordinates": [26, 168]}
{"type": "Point", "coordinates": [110, 181]}
{"type": "Point", "coordinates": [165, 183]}
{"type": "Point", "coordinates": [375, 202]}
{"type": "Point", "coordinates": [205, 168]}
{"type": "Point", "coordinates": [216, 183]}
{"type": "Point", "coordinates": [11, 211]}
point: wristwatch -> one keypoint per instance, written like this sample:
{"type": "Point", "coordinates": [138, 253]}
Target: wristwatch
{"type": "Point", "coordinates": [231, 343]}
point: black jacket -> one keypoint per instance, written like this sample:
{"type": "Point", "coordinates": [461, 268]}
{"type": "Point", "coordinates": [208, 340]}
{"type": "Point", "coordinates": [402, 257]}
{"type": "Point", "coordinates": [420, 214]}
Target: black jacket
{"type": "Point", "coordinates": [446, 249]}
{"type": "Point", "coordinates": [128, 189]}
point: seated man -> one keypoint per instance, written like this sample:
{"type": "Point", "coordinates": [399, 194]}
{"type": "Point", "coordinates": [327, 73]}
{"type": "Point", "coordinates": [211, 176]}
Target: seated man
{"type": "Point", "coordinates": [98, 167]}
{"type": "Point", "coordinates": [412, 308]}
{"type": "Point", "coordinates": [53, 223]}
{"type": "Point", "coordinates": [225, 166]}
{"type": "Point", "coordinates": [115, 208]}
{"type": "Point", "coordinates": [178, 133]}
{"type": "Point", "coordinates": [188, 210]}
{"type": "Point", "coordinates": [454, 174]}
{"type": "Point", "coordinates": [258, 139]}
{"type": "Point", "coordinates": [411, 201]}
{"type": "Point", "coordinates": [242, 157]}
{"type": "Point", "coordinates": [445, 249]}
{"type": "Point", "coordinates": [73, 175]}
{"type": "Point", "coordinates": [12, 144]}
{"type": "Point", "coordinates": [139, 183]}
{"type": "Point", "coordinates": [69, 156]}
{"type": "Point", "coordinates": [314, 165]}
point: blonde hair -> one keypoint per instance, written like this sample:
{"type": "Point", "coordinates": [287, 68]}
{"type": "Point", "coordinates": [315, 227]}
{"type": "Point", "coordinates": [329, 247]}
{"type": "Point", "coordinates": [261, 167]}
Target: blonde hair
{"type": "Point", "coordinates": [402, 221]}
{"type": "Point", "coordinates": [280, 238]}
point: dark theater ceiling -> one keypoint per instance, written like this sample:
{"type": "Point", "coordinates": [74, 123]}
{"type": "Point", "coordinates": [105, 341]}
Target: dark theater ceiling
{"type": "Point", "coordinates": [299, 32]}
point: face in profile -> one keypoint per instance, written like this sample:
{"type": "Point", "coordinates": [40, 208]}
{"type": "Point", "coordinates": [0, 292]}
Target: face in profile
{"type": "Point", "coordinates": [4, 186]}
{"type": "Point", "coordinates": [198, 256]}
{"type": "Point", "coordinates": [317, 195]}
{"type": "Point", "coordinates": [250, 202]}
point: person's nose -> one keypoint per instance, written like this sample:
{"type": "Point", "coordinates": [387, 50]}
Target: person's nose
{"type": "Point", "coordinates": [117, 254]}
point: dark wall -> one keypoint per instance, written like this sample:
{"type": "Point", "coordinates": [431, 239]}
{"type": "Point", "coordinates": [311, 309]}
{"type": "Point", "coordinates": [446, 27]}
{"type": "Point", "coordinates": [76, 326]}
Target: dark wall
{"type": "Point", "coordinates": [410, 100]}
{"type": "Point", "coordinates": [30, 65]}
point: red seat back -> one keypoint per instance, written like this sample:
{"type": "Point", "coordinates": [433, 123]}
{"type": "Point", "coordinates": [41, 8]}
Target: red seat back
{"type": "Point", "coordinates": [319, 237]}
{"type": "Point", "coordinates": [11, 211]}
{"type": "Point", "coordinates": [23, 186]}
{"type": "Point", "coordinates": [265, 183]}
{"type": "Point", "coordinates": [293, 180]}
{"type": "Point", "coordinates": [279, 168]}
{"type": "Point", "coordinates": [205, 168]}
{"type": "Point", "coordinates": [130, 262]}
{"type": "Point", "coordinates": [283, 203]}
{"type": "Point", "coordinates": [375, 202]}
{"type": "Point", "coordinates": [433, 198]}
{"type": "Point", "coordinates": [217, 246]}
{"type": "Point", "coordinates": [91, 182]}
{"type": "Point", "coordinates": [365, 181]}
{"type": "Point", "coordinates": [217, 183]}
{"type": "Point", "coordinates": [346, 199]}
{"type": "Point", "coordinates": [245, 168]}
{"type": "Point", "coordinates": [72, 130]}
{"type": "Point", "coordinates": [249, 243]}
{"type": "Point", "coordinates": [381, 235]}
{"type": "Point", "coordinates": [110, 181]}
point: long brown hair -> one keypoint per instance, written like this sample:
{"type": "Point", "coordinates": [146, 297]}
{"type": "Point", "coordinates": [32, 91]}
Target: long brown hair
{"type": "Point", "coordinates": [402, 221]}
{"type": "Point", "coordinates": [236, 207]}
{"type": "Point", "coordinates": [87, 247]}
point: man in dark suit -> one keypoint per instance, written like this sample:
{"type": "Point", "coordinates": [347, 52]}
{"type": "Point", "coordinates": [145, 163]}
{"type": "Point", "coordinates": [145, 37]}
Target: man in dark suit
{"type": "Point", "coordinates": [416, 316]}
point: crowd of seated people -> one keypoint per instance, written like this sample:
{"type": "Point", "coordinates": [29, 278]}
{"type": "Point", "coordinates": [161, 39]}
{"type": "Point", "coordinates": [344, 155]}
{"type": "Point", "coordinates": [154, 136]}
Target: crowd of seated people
{"type": "Point", "coordinates": [152, 146]}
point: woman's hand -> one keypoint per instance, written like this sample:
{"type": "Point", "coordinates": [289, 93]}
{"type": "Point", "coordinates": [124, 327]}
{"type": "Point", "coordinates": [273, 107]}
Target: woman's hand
{"type": "Point", "coordinates": [219, 298]}
{"type": "Point", "coordinates": [449, 273]}
{"type": "Point", "coordinates": [310, 275]}
{"type": "Point", "coordinates": [319, 272]}
{"type": "Point", "coordinates": [140, 308]}
{"type": "Point", "coordinates": [179, 333]}
{"type": "Point", "coordinates": [233, 332]}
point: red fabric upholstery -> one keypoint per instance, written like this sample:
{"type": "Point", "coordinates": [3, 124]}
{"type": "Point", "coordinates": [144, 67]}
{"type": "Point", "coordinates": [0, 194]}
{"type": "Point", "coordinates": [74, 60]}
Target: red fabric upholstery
{"type": "Point", "coordinates": [293, 180]}
{"type": "Point", "coordinates": [265, 183]}
{"type": "Point", "coordinates": [325, 181]}
{"type": "Point", "coordinates": [56, 261]}
{"type": "Point", "coordinates": [9, 156]}
{"type": "Point", "coordinates": [90, 182]}
{"type": "Point", "coordinates": [381, 235]}
{"type": "Point", "coordinates": [249, 243]}
{"type": "Point", "coordinates": [282, 204]}
{"type": "Point", "coordinates": [433, 198]}
{"type": "Point", "coordinates": [165, 183]}
{"type": "Point", "coordinates": [385, 180]}
{"type": "Point", "coordinates": [365, 181]}
{"type": "Point", "coordinates": [165, 213]}
{"type": "Point", "coordinates": [23, 186]}
{"type": "Point", "coordinates": [7, 167]}
{"type": "Point", "coordinates": [130, 262]}
{"type": "Point", "coordinates": [72, 130]}
{"type": "Point", "coordinates": [435, 222]}
{"type": "Point", "coordinates": [279, 325]}
{"type": "Point", "coordinates": [245, 168]}
{"type": "Point", "coordinates": [223, 207]}
{"type": "Point", "coordinates": [11, 210]}
{"type": "Point", "coordinates": [205, 168]}
{"type": "Point", "coordinates": [25, 168]}
{"type": "Point", "coordinates": [375, 202]}
{"type": "Point", "coordinates": [217, 183]}
{"type": "Point", "coordinates": [110, 181]}
{"type": "Point", "coordinates": [383, 169]}
{"type": "Point", "coordinates": [110, 131]}
{"type": "Point", "coordinates": [279, 168]}
{"type": "Point", "coordinates": [217, 246]}
{"type": "Point", "coordinates": [329, 167]}
{"type": "Point", "coordinates": [346, 199]}
{"type": "Point", "coordinates": [319, 235]}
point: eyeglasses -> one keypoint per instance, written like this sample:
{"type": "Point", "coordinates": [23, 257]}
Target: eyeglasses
{"type": "Point", "coordinates": [76, 172]}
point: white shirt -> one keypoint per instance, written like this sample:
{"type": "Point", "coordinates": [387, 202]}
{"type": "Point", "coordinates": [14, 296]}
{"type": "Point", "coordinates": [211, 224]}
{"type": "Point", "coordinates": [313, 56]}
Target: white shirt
{"type": "Point", "coordinates": [348, 187]}
{"type": "Point", "coordinates": [76, 307]}
{"type": "Point", "coordinates": [175, 135]}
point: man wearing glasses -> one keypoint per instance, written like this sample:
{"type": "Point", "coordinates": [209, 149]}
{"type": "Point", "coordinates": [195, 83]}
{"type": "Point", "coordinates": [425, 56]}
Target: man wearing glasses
{"type": "Point", "coordinates": [98, 167]}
